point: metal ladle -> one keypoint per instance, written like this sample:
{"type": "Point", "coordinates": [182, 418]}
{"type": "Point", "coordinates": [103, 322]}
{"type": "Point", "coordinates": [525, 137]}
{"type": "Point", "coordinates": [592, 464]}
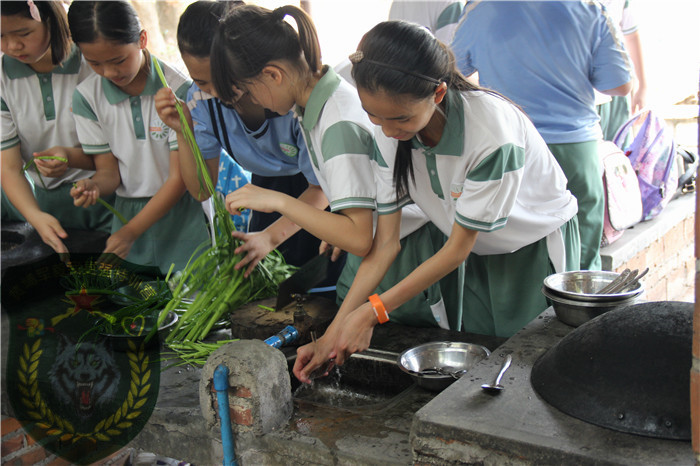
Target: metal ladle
{"type": "Point", "coordinates": [496, 387]}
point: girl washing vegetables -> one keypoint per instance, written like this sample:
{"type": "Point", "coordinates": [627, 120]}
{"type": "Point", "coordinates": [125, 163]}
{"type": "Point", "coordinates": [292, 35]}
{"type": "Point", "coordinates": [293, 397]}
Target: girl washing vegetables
{"type": "Point", "coordinates": [267, 144]}
{"type": "Point", "coordinates": [477, 167]}
{"type": "Point", "coordinates": [257, 52]}
{"type": "Point", "coordinates": [134, 153]}
{"type": "Point", "coordinates": [40, 70]}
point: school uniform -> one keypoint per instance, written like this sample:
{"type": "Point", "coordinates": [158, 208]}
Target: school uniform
{"type": "Point", "coordinates": [439, 16]}
{"type": "Point", "coordinates": [339, 138]}
{"type": "Point", "coordinates": [548, 57]}
{"type": "Point", "coordinates": [274, 154]}
{"type": "Point", "coordinates": [491, 172]}
{"type": "Point", "coordinates": [36, 114]}
{"type": "Point", "coordinates": [109, 120]}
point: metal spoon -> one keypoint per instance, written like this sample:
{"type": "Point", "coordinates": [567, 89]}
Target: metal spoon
{"type": "Point", "coordinates": [496, 387]}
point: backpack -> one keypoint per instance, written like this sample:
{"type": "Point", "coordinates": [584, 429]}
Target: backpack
{"type": "Point", "coordinates": [652, 154]}
{"type": "Point", "coordinates": [623, 199]}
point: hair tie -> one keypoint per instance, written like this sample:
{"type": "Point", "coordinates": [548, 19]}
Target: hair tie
{"type": "Point", "coordinates": [33, 10]}
{"type": "Point", "coordinates": [356, 57]}
{"type": "Point", "coordinates": [278, 14]}
{"type": "Point", "coordinates": [359, 56]}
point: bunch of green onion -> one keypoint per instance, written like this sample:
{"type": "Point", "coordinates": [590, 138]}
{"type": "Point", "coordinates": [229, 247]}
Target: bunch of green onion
{"type": "Point", "coordinates": [211, 273]}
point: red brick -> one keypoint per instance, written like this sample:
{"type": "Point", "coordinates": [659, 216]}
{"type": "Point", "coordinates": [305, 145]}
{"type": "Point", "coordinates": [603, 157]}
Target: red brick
{"type": "Point", "coordinates": [243, 392]}
{"type": "Point", "coordinates": [656, 291]}
{"type": "Point", "coordinates": [689, 230]}
{"type": "Point", "coordinates": [695, 406]}
{"type": "Point", "coordinates": [12, 444]}
{"type": "Point", "coordinates": [33, 456]}
{"type": "Point", "coordinates": [654, 253]}
{"type": "Point", "coordinates": [241, 416]}
{"type": "Point", "coordinates": [9, 425]}
{"type": "Point", "coordinates": [637, 262]}
{"type": "Point", "coordinates": [673, 240]}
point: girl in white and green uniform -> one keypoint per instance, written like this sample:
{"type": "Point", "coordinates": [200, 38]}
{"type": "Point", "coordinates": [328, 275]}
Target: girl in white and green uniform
{"type": "Point", "coordinates": [135, 154]}
{"type": "Point", "coordinates": [475, 164]}
{"type": "Point", "coordinates": [40, 70]}
{"type": "Point", "coordinates": [283, 71]}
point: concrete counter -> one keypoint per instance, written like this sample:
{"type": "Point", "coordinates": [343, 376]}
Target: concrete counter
{"type": "Point", "coordinates": [463, 425]}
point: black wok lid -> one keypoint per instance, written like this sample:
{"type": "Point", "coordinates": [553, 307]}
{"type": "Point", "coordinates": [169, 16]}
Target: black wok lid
{"type": "Point", "coordinates": [627, 370]}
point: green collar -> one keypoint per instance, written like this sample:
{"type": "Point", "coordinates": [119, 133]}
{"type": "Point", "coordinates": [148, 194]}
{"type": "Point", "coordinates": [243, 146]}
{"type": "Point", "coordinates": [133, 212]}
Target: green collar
{"type": "Point", "coordinates": [16, 69]}
{"type": "Point", "coordinates": [115, 95]}
{"type": "Point", "coordinates": [320, 94]}
{"type": "Point", "coordinates": [452, 140]}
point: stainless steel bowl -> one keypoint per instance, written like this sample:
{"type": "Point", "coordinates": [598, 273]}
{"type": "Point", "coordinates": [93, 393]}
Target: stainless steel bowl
{"type": "Point", "coordinates": [422, 361]}
{"type": "Point", "coordinates": [575, 313]}
{"type": "Point", "coordinates": [583, 285]}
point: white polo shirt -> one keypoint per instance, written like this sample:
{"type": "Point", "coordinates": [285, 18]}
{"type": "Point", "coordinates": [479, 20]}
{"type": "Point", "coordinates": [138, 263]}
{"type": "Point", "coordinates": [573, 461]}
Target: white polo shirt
{"type": "Point", "coordinates": [36, 111]}
{"type": "Point", "coordinates": [109, 120]}
{"type": "Point", "coordinates": [490, 172]}
{"type": "Point", "coordinates": [338, 134]}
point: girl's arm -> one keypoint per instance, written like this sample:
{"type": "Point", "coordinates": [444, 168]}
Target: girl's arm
{"type": "Point", "coordinates": [358, 325]}
{"type": "Point", "coordinates": [19, 193]}
{"type": "Point", "coordinates": [165, 199]}
{"type": "Point", "coordinates": [385, 248]}
{"type": "Point", "coordinates": [349, 229]}
{"type": "Point", "coordinates": [258, 245]}
{"type": "Point", "coordinates": [165, 106]}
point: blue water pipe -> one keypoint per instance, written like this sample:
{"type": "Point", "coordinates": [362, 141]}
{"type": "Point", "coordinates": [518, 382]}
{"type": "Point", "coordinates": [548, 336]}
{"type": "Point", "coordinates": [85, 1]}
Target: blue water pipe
{"type": "Point", "coordinates": [221, 387]}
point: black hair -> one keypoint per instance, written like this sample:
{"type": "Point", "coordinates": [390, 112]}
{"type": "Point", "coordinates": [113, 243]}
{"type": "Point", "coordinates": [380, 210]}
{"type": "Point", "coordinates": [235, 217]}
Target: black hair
{"type": "Point", "coordinates": [197, 24]}
{"type": "Point", "coordinates": [110, 20]}
{"type": "Point", "coordinates": [400, 58]}
{"type": "Point", "coordinates": [250, 37]}
{"type": "Point", "coordinates": [53, 15]}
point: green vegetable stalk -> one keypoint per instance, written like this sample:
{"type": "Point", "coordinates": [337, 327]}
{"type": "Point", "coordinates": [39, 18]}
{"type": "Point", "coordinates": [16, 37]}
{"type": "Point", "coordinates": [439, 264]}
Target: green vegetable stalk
{"type": "Point", "coordinates": [218, 287]}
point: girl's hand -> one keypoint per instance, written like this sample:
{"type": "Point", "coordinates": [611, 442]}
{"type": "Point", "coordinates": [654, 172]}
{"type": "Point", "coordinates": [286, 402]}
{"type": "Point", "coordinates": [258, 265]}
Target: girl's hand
{"type": "Point", "coordinates": [315, 355]}
{"type": "Point", "coordinates": [85, 193]}
{"type": "Point", "coordinates": [253, 197]}
{"type": "Point", "coordinates": [356, 333]}
{"type": "Point", "coordinates": [165, 106]}
{"type": "Point", "coordinates": [51, 231]}
{"type": "Point", "coordinates": [53, 168]}
{"type": "Point", "coordinates": [120, 242]}
{"type": "Point", "coordinates": [335, 254]}
{"type": "Point", "coordinates": [255, 247]}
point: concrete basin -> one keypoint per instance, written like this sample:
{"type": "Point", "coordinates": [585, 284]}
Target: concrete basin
{"type": "Point", "coordinates": [370, 379]}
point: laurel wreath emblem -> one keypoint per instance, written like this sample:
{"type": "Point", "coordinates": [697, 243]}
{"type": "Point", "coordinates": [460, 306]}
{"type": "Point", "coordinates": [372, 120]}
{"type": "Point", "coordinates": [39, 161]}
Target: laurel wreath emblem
{"type": "Point", "coordinates": [111, 426]}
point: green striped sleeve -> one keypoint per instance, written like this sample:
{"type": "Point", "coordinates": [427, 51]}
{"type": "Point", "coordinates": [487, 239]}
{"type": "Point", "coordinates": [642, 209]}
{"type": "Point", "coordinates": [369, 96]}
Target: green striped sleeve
{"type": "Point", "coordinates": [346, 137]}
{"type": "Point", "coordinates": [181, 91]}
{"type": "Point", "coordinates": [506, 158]}
{"type": "Point", "coordinates": [93, 149]}
{"type": "Point", "coordinates": [12, 142]}
{"type": "Point", "coordinates": [479, 226]}
{"type": "Point", "coordinates": [351, 203]}
{"type": "Point", "coordinates": [449, 15]}
{"type": "Point", "coordinates": [82, 107]}
{"type": "Point", "coordinates": [391, 207]}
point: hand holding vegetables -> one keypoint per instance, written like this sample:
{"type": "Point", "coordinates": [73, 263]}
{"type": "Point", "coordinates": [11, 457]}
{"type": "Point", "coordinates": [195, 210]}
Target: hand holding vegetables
{"type": "Point", "coordinates": [85, 193]}
{"type": "Point", "coordinates": [52, 162]}
{"type": "Point", "coordinates": [255, 246]}
{"type": "Point", "coordinates": [254, 197]}
{"type": "Point", "coordinates": [167, 111]}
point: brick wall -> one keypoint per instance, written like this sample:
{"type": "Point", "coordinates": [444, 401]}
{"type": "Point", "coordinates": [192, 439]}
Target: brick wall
{"type": "Point", "coordinates": [19, 449]}
{"type": "Point", "coordinates": [666, 246]}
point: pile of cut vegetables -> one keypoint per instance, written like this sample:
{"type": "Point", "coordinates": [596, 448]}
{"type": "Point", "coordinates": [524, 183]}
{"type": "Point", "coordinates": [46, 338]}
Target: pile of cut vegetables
{"type": "Point", "coordinates": [210, 286]}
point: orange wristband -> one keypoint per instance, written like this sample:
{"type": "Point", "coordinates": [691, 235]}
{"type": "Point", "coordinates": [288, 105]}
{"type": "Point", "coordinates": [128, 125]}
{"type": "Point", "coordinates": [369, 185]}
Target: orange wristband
{"type": "Point", "coordinates": [379, 309]}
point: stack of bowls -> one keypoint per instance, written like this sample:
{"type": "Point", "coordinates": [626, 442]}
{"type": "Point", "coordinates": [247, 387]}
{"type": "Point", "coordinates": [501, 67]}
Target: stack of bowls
{"type": "Point", "coordinates": [575, 297]}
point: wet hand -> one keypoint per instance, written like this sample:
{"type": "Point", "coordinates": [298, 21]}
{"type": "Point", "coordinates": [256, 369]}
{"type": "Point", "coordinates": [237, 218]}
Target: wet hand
{"type": "Point", "coordinates": [120, 242]}
{"type": "Point", "coordinates": [50, 231]}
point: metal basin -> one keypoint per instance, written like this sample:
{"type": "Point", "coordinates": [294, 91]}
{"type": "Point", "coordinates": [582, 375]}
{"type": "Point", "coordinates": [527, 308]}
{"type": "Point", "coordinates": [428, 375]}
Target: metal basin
{"type": "Point", "coordinates": [443, 357]}
{"type": "Point", "coordinates": [583, 285]}
{"type": "Point", "coordinates": [367, 379]}
{"type": "Point", "coordinates": [576, 313]}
